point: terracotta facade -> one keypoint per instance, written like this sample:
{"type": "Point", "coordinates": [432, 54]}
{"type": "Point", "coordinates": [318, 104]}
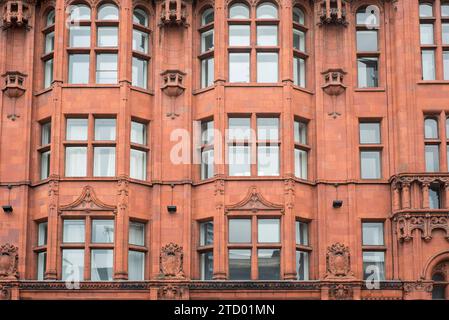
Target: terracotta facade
{"type": "Point", "coordinates": [416, 235]}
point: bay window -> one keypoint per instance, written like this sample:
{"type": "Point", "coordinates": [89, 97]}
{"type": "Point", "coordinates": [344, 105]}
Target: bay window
{"type": "Point", "coordinates": [299, 47]}
{"type": "Point", "coordinates": [49, 47]}
{"type": "Point", "coordinates": [206, 56]}
{"type": "Point", "coordinates": [140, 48]}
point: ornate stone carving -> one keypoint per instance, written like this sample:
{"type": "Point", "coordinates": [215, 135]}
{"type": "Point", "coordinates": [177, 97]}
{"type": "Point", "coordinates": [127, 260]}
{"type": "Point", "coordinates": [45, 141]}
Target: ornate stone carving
{"type": "Point", "coordinates": [170, 292]}
{"type": "Point", "coordinates": [254, 202]}
{"type": "Point", "coordinates": [16, 14]}
{"type": "Point", "coordinates": [122, 193]}
{"type": "Point", "coordinates": [53, 191]}
{"type": "Point", "coordinates": [88, 201]}
{"type": "Point", "coordinates": [219, 187]}
{"type": "Point", "coordinates": [14, 84]}
{"type": "Point", "coordinates": [341, 292]}
{"type": "Point", "coordinates": [419, 285]}
{"type": "Point", "coordinates": [289, 191]}
{"type": "Point", "coordinates": [5, 292]}
{"type": "Point", "coordinates": [333, 12]}
{"type": "Point", "coordinates": [333, 82]}
{"type": "Point", "coordinates": [338, 262]}
{"type": "Point", "coordinates": [406, 223]}
{"type": "Point", "coordinates": [173, 13]}
{"type": "Point", "coordinates": [171, 261]}
{"type": "Point", "coordinates": [9, 259]}
{"type": "Point", "coordinates": [172, 82]}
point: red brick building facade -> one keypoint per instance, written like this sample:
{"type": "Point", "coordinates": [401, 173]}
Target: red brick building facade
{"type": "Point", "coordinates": [330, 146]}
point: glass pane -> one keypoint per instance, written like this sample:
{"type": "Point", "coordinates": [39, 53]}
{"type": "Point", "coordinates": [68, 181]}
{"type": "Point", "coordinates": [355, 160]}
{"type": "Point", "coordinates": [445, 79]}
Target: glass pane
{"type": "Point", "coordinates": [267, 67]}
{"type": "Point", "coordinates": [446, 65]}
{"type": "Point", "coordinates": [207, 72]}
{"type": "Point", "coordinates": [207, 132]}
{"type": "Point", "coordinates": [267, 160]}
{"type": "Point", "coordinates": [269, 264]}
{"type": "Point", "coordinates": [434, 197]}
{"type": "Point", "coordinates": [300, 132]}
{"type": "Point", "coordinates": [206, 233]}
{"type": "Point", "coordinates": [105, 129]}
{"type": "Point", "coordinates": [41, 265]}
{"type": "Point", "coordinates": [79, 12]}
{"type": "Point", "coordinates": [48, 76]}
{"type": "Point", "coordinates": [79, 68]}
{"type": "Point", "coordinates": [239, 67]}
{"type": "Point", "coordinates": [75, 161]}
{"type": "Point", "coordinates": [140, 17]}
{"type": "Point", "coordinates": [138, 133]}
{"type": "Point", "coordinates": [367, 72]}
{"type": "Point", "coordinates": [445, 10]}
{"type": "Point", "coordinates": [108, 12]}
{"type": "Point", "coordinates": [140, 41]}
{"type": "Point", "coordinates": [137, 233]}
{"type": "Point", "coordinates": [239, 264]}
{"type": "Point", "coordinates": [45, 164]}
{"type": "Point", "coordinates": [104, 161]}
{"type": "Point", "coordinates": [207, 265]}
{"type": "Point", "coordinates": [369, 132]}
{"type": "Point", "coordinates": [207, 164]}
{"type": "Point", "coordinates": [239, 161]}
{"type": "Point", "coordinates": [301, 163]}
{"type": "Point", "coordinates": [299, 72]}
{"type": "Point", "coordinates": [268, 230]}
{"type": "Point", "coordinates": [430, 128]}
{"type": "Point", "coordinates": [373, 233]}
{"type": "Point", "coordinates": [302, 233]}
{"type": "Point", "coordinates": [79, 37]}
{"type": "Point", "coordinates": [268, 128]}
{"type": "Point", "coordinates": [207, 17]}
{"type": "Point", "coordinates": [106, 68]}
{"type": "Point", "coordinates": [428, 64]}
{"type": "Point", "coordinates": [239, 230]}
{"type": "Point", "coordinates": [302, 265]}
{"type": "Point", "coordinates": [267, 11]}
{"type": "Point", "coordinates": [45, 133]}
{"type": "Point", "coordinates": [373, 265]}
{"type": "Point", "coordinates": [439, 292]}
{"type": "Point", "coordinates": [73, 265]}
{"type": "Point", "coordinates": [426, 33]}
{"type": "Point", "coordinates": [50, 18]}
{"type": "Point", "coordinates": [367, 40]}
{"type": "Point", "coordinates": [136, 265]}
{"type": "Point", "coordinates": [298, 16]}
{"type": "Point", "coordinates": [139, 73]}
{"type": "Point", "coordinates": [267, 35]}
{"type": "Point", "coordinates": [239, 11]}
{"type": "Point", "coordinates": [239, 35]}
{"type": "Point", "coordinates": [207, 41]}
{"type": "Point", "coordinates": [425, 10]}
{"type": "Point", "coordinates": [102, 231]}
{"type": "Point", "coordinates": [138, 164]}
{"type": "Point", "coordinates": [73, 231]}
{"type": "Point", "coordinates": [49, 42]}
{"type": "Point", "coordinates": [107, 36]}
{"type": "Point", "coordinates": [299, 40]}
{"type": "Point", "coordinates": [102, 265]}
{"type": "Point", "coordinates": [76, 129]}
{"type": "Point", "coordinates": [370, 164]}
{"type": "Point", "coordinates": [42, 234]}
{"type": "Point", "coordinates": [239, 129]}
{"type": "Point", "coordinates": [432, 158]}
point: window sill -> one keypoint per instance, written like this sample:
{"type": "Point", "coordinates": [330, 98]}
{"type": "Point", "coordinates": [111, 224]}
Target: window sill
{"type": "Point", "coordinates": [379, 89]}
{"type": "Point", "coordinates": [142, 90]}
{"type": "Point", "coordinates": [433, 82]}
{"type": "Point", "coordinates": [90, 86]}
{"type": "Point", "coordinates": [298, 88]}
{"type": "Point", "coordinates": [254, 85]}
{"type": "Point", "coordinates": [43, 91]}
{"type": "Point", "coordinates": [202, 90]}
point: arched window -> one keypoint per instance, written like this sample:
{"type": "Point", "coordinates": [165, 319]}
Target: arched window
{"type": "Point", "coordinates": [49, 35]}
{"type": "Point", "coordinates": [108, 11]}
{"type": "Point", "coordinates": [431, 145]}
{"type": "Point", "coordinates": [107, 37]}
{"type": "Point", "coordinates": [207, 47]}
{"type": "Point", "coordinates": [141, 51]}
{"type": "Point", "coordinates": [239, 11]}
{"type": "Point", "coordinates": [299, 48]}
{"type": "Point", "coordinates": [367, 34]}
{"type": "Point", "coordinates": [50, 18]}
{"type": "Point", "coordinates": [267, 10]}
{"type": "Point", "coordinates": [79, 12]}
{"type": "Point", "coordinates": [431, 128]}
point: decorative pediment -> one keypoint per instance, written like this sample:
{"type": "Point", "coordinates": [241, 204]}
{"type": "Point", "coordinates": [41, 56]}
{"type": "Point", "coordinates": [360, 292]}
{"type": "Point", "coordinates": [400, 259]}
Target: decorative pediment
{"type": "Point", "coordinates": [88, 201]}
{"type": "Point", "coordinates": [254, 201]}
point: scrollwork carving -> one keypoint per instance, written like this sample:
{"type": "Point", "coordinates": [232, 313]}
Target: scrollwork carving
{"type": "Point", "coordinates": [9, 260]}
{"type": "Point", "coordinates": [338, 262]}
{"type": "Point", "coordinates": [171, 261]}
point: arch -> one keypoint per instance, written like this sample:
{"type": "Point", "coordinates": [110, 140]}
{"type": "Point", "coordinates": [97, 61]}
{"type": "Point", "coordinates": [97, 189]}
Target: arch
{"type": "Point", "coordinates": [147, 8]}
{"type": "Point", "coordinates": [298, 15]}
{"type": "Point", "coordinates": [207, 15]}
{"type": "Point", "coordinates": [108, 11]}
{"type": "Point", "coordinates": [432, 262]}
{"type": "Point", "coordinates": [141, 17]}
{"type": "Point", "coordinates": [245, 12]}
{"type": "Point", "coordinates": [267, 10]}
{"type": "Point", "coordinates": [79, 11]}
{"type": "Point", "coordinates": [49, 16]}
{"type": "Point", "coordinates": [425, 9]}
{"type": "Point", "coordinates": [430, 128]}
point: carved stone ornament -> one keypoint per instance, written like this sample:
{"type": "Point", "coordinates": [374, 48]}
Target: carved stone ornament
{"type": "Point", "coordinates": [333, 82]}
{"type": "Point", "coordinates": [14, 84]}
{"type": "Point", "coordinates": [254, 201]}
{"type": "Point", "coordinates": [16, 14]}
{"type": "Point", "coordinates": [173, 13]}
{"type": "Point", "coordinates": [88, 201]}
{"type": "Point", "coordinates": [340, 292]}
{"type": "Point", "coordinates": [333, 12]}
{"type": "Point", "coordinates": [419, 285]}
{"type": "Point", "coordinates": [406, 223]}
{"type": "Point", "coordinates": [338, 262]}
{"type": "Point", "coordinates": [170, 292]}
{"type": "Point", "coordinates": [5, 292]}
{"type": "Point", "coordinates": [172, 82]}
{"type": "Point", "coordinates": [9, 259]}
{"type": "Point", "coordinates": [171, 261]}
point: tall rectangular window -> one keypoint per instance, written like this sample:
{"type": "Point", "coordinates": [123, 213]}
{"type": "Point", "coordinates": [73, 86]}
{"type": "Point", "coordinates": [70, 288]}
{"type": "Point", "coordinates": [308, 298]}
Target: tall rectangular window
{"type": "Point", "coordinates": [207, 149]}
{"type": "Point", "coordinates": [428, 64]}
{"type": "Point", "coordinates": [139, 151]}
{"type": "Point", "coordinates": [431, 144]}
{"type": "Point", "coordinates": [104, 161]}
{"type": "Point", "coordinates": [107, 68]}
{"type": "Point", "coordinates": [75, 161]}
{"type": "Point", "coordinates": [79, 68]}
{"type": "Point", "coordinates": [239, 264]}
{"type": "Point", "coordinates": [205, 250]}
{"type": "Point", "coordinates": [48, 73]}
{"type": "Point", "coordinates": [268, 146]}
{"type": "Point", "coordinates": [105, 129]}
{"type": "Point", "coordinates": [73, 264]}
{"type": "Point", "coordinates": [137, 251]}
{"type": "Point", "coordinates": [239, 150]}
{"type": "Point", "coordinates": [267, 67]}
{"type": "Point", "coordinates": [370, 150]}
{"type": "Point", "coordinates": [301, 149]}
{"type": "Point", "coordinates": [367, 72]}
{"type": "Point", "coordinates": [239, 67]}
{"type": "Point", "coordinates": [102, 261]}
{"type": "Point", "coordinates": [41, 251]}
{"type": "Point", "coordinates": [107, 36]}
{"type": "Point", "coordinates": [269, 264]}
{"type": "Point", "coordinates": [445, 65]}
{"type": "Point", "coordinates": [140, 49]}
{"type": "Point", "coordinates": [299, 72]}
{"type": "Point", "coordinates": [373, 255]}
{"type": "Point", "coordinates": [140, 73]}
{"type": "Point", "coordinates": [44, 150]}
{"type": "Point", "coordinates": [207, 72]}
{"type": "Point", "coordinates": [140, 41]}
{"type": "Point", "coordinates": [303, 250]}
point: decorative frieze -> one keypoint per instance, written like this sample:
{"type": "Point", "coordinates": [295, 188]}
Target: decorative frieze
{"type": "Point", "coordinates": [173, 12]}
{"type": "Point", "coordinates": [406, 223]}
{"type": "Point", "coordinates": [333, 12]}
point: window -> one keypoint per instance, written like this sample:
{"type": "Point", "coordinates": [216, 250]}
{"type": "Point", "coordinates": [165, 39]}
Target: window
{"type": "Point", "coordinates": [139, 151]}
{"type": "Point", "coordinates": [267, 146]}
{"type": "Point", "coordinates": [137, 251]}
{"type": "Point", "coordinates": [373, 255]}
{"type": "Point", "coordinates": [239, 70]}
{"type": "Point", "coordinates": [266, 246]}
{"type": "Point", "coordinates": [99, 248]}
{"type": "Point", "coordinates": [107, 68]}
{"type": "Point", "coordinates": [303, 250]}
{"type": "Point", "coordinates": [299, 48]}
{"type": "Point", "coordinates": [207, 149]}
{"type": "Point", "coordinates": [79, 37]}
{"type": "Point", "coordinates": [428, 64]}
{"type": "Point", "coordinates": [435, 196]}
{"type": "Point", "coordinates": [140, 46]}
{"type": "Point", "coordinates": [41, 250]}
{"type": "Point", "coordinates": [239, 157]}
{"type": "Point", "coordinates": [107, 36]}
{"type": "Point", "coordinates": [76, 129]}
{"type": "Point", "coordinates": [104, 156]}
{"type": "Point", "coordinates": [205, 250]}
{"type": "Point", "coordinates": [75, 161]}
{"type": "Point", "coordinates": [206, 56]}
{"type": "Point", "coordinates": [431, 145]}
{"type": "Point", "coordinates": [301, 149]}
{"type": "Point", "coordinates": [267, 37]}
{"type": "Point", "coordinates": [370, 150]}
{"type": "Point", "coordinates": [367, 51]}
{"type": "Point", "coordinates": [439, 286]}
{"type": "Point", "coordinates": [49, 47]}
{"type": "Point", "coordinates": [79, 68]}
{"type": "Point", "coordinates": [44, 150]}
{"type": "Point", "coordinates": [108, 12]}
